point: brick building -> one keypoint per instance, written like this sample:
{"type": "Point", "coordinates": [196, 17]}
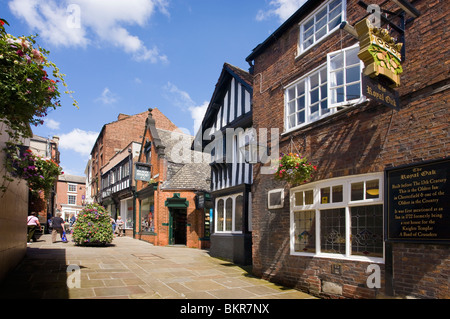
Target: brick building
{"type": "Point", "coordinates": [71, 192]}
{"type": "Point", "coordinates": [333, 235]}
{"type": "Point", "coordinates": [168, 210]}
{"type": "Point", "coordinates": [114, 137]}
{"type": "Point", "coordinates": [45, 148]}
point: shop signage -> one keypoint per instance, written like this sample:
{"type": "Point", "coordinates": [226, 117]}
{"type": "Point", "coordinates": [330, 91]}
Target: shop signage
{"type": "Point", "coordinates": [417, 203]}
{"type": "Point", "coordinates": [379, 92]}
{"type": "Point", "coordinates": [379, 52]}
{"type": "Point", "coordinates": [143, 172]}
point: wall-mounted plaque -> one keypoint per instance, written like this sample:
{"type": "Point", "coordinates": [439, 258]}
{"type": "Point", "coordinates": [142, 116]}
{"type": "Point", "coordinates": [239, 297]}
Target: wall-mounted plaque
{"type": "Point", "coordinates": [418, 202]}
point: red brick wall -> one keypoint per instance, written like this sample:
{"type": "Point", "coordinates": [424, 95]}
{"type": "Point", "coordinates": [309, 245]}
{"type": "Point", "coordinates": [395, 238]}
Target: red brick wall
{"type": "Point", "coordinates": [360, 140]}
{"type": "Point", "coordinates": [62, 193]}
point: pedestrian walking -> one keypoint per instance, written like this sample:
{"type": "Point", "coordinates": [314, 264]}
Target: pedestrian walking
{"type": "Point", "coordinates": [58, 227]}
{"type": "Point", "coordinates": [119, 226]}
{"type": "Point", "coordinates": [32, 224]}
{"type": "Point", "coordinates": [113, 223]}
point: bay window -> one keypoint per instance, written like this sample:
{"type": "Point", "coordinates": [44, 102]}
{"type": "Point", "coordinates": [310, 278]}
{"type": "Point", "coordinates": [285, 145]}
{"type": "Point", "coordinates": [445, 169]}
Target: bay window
{"type": "Point", "coordinates": [340, 218]}
{"type": "Point", "coordinates": [229, 214]}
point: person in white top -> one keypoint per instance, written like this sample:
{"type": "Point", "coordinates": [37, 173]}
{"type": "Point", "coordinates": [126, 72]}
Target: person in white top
{"type": "Point", "coordinates": [120, 223]}
{"type": "Point", "coordinates": [33, 224]}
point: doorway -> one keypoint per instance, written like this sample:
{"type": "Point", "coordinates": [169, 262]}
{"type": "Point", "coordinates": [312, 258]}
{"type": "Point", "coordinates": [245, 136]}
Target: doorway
{"type": "Point", "coordinates": [178, 226]}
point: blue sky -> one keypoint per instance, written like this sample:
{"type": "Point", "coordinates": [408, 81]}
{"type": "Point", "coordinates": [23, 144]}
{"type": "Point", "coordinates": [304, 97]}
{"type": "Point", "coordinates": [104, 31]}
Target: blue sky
{"type": "Point", "coordinates": [126, 56]}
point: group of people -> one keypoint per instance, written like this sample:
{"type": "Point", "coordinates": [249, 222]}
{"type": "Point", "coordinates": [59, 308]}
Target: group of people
{"type": "Point", "coordinates": [57, 224]}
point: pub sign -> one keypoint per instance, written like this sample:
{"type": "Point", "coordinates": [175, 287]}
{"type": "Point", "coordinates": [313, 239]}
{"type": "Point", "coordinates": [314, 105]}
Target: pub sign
{"type": "Point", "coordinates": [418, 202]}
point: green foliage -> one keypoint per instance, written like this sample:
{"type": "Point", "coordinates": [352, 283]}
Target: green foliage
{"type": "Point", "coordinates": [27, 92]}
{"type": "Point", "coordinates": [40, 173]}
{"type": "Point", "coordinates": [93, 227]}
{"type": "Point", "coordinates": [294, 169]}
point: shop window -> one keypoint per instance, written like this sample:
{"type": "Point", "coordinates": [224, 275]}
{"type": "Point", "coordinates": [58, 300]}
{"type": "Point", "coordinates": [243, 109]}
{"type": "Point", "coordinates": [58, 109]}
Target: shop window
{"type": "Point", "coordinates": [340, 218]}
{"type": "Point", "coordinates": [147, 215]}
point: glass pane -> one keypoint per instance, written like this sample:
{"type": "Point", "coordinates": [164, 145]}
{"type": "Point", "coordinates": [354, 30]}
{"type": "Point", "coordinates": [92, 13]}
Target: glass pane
{"type": "Point", "coordinates": [353, 91]}
{"type": "Point", "coordinates": [309, 197]}
{"type": "Point", "coordinates": [275, 199]}
{"type": "Point", "coordinates": [321, 22]}
{"type": "Point", "coordinates": [337, 95]}
{"type": "Point", "coordinates": [337, 194]}
{"type": "Point", "coordinates": [332, 231]}
{"type": "Point", "coordinates": [325, 195]}
{"type": "Point", "coordinates": [299, 199]}
{"type": "Point", "coordinates": [301, 117]}
{"type": "Point", "coordinates": [320, 15]}
{"type": "Point", "coordinates": [291, 107]}
{"type": "Point", "coordinates": [238, 213]}
{"type": "Point", "coordinates": [335, 4]}
{"type": "Point", "coordinates": [301, 103]}
{"type": "Point", "coordinates": [323, 92]}
{"type": "Point", "coordinates": [351, 57]}
{"type": "Point", "coordinates": [301, 88]}
{"type": "Point", "coordinates": [367, 230]}
{"type": "Point", "coordinates": [307, 43]}
{"type": "Point", "coordinates": [314, 80]}
{"type": "Point", "coordinates": [353, 74]}
{"type": "Point", "coordinates": [334, 23]}
{"type": "Point", "coordinates": [323, 76]}
{"type": "Point", "coordinates": [291, 121]}
{"type": "Point", "coordinates": [372, 189]}
{"type": "Point", "coordinates": [229, 214]}
{"type": "Point", "coordinates": [322, 32]}
{"type": "Point", "coordinates": [337, 61]}
{"type": "Point", "coordinates": [308, 24]}
{"type": "Point", "coordinates": [220, 206]}
{"type": "Point", "coordinates": [334, 12]}
{"type": "Point", "coordinates": [324, 107]}
{"type": "Point", "coordinates": [291, 94]}
{"type": "Point", "coordinates": [305, 231]}
{"type": "Point", "coordinates": [314, 96]}
{"type": "Point", "coordinates": [357, 191]}
{"type": "Point", "coordinates": [314, 112]}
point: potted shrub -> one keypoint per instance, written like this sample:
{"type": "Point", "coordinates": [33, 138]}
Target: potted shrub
{"type": "Point", "coordinates": [294, 168]}
{"type": "Point", "coordinates": [93, 227]}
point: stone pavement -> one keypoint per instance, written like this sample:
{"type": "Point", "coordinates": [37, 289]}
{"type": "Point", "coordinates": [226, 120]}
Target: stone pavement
{"type": "Point", "coordinates": [133, 269]}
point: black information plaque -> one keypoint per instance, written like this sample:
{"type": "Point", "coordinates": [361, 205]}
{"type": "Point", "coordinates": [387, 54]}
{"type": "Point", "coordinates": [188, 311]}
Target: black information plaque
{"type": "Point", "coordinates": [418, 202]}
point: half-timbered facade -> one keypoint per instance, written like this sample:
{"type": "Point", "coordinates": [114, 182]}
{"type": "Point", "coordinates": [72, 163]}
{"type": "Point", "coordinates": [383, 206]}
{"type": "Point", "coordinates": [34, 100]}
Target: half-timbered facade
{"type": "Point", "coordinates": [223, 135]}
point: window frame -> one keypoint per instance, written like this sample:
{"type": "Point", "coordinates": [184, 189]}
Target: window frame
{"type": "Point", "coordinates": [72, 185]}
{"type": "Point", "coordinates": [73, 196]}
{"type": "Point", "coordinates": [346, 203]}
{"type": "Point", "coordinates": [306, 78]}
{"type": "Point", "coordinates": [233, 214]}
{"type": "Point", "coordinates": [300, 45]}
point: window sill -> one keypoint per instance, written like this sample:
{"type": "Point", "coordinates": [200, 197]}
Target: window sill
{"type": "Point", "coordinates": [324, 119]}
{"type": "Point", "coordinates": [376, 260]}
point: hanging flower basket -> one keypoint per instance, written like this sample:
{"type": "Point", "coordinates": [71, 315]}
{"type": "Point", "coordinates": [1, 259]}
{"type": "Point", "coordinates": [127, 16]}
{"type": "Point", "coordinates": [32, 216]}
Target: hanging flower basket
{"type": "Point", "coordinates": [294, 169]}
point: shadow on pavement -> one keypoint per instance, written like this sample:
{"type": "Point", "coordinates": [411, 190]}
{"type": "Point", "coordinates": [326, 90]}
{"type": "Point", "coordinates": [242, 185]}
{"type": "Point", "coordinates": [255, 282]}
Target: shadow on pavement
{"type": "Point", "coordinates": [42, 274]}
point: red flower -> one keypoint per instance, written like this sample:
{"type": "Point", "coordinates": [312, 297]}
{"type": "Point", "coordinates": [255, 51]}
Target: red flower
{"type": "Point", "coordinates": [2, 22]}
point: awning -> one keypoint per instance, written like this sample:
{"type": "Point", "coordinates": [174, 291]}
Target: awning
{"type": "Point", "coordinates": [176, 202]}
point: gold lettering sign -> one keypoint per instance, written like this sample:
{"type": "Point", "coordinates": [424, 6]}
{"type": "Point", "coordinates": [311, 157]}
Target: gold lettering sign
{"type": "Point", "coordinates": [379, 52]}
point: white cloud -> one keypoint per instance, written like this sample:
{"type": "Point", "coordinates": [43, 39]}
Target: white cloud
{"type": "Point", "coordinates": [52, 124]}
{"type": "Point", "coordinates": [79, 141]}
{"type": "Point", "coordinates": [183, 100]}
{"type": "Point", "coordinates": [283, 9]}
{"type": "Point", "coordinates": [107, 97]}
{"type": "Point", "coordinates": [78, 23]}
